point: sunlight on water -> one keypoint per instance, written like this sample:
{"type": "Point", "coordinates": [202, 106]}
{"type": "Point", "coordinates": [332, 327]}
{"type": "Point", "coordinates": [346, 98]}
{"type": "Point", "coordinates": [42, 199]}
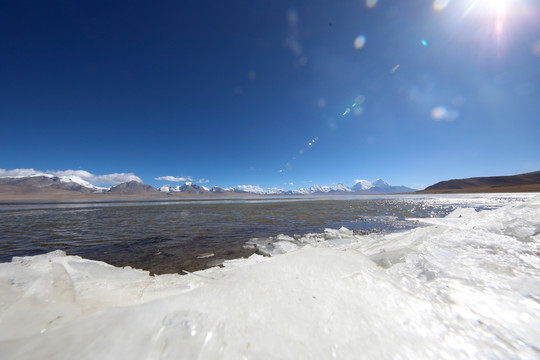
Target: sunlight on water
{"type": "Point", "coordinates": [169, 236]}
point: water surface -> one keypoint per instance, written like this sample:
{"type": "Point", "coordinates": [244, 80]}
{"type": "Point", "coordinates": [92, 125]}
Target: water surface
{"type": "Point", "coordinates": [173, 236]}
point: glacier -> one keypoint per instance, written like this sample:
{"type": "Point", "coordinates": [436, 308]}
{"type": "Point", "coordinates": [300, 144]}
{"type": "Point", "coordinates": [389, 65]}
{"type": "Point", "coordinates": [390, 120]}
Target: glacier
{"type": "Point", "coordinates": [464, 286]}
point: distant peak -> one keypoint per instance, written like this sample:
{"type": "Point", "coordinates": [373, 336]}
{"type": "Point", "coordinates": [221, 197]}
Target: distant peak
{"type": "Point", "coordinates": [380, 183]}
{"type": "Point", "coordinates": [362, 185]}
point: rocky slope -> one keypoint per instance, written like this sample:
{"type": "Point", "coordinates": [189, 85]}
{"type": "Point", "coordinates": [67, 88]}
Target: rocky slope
{"type": "Point", "coordinates": [528, 182]}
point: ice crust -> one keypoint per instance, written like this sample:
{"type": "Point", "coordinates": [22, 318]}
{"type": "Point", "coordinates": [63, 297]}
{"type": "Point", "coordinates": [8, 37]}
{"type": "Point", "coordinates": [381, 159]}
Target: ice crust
{"type": "Point", "coordinates": [466, 286]}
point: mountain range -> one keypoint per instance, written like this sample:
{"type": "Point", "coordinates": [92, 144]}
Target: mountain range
{"type": "Point", "coordinates": [379, 186]}
{"type": "Point", "coordinates": [74, 185]}
{"type": "Point", "coordinates": [46, 186]}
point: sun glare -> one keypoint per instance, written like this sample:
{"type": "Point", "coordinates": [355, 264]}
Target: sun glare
{"type": "Point", "coordinates": [497, 14]}
{"type": "Point", "coordinates": [499, 5]}
{"type": "Point", "coordinates": [490, 7]}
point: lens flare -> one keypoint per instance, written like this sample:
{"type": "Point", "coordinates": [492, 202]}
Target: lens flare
{"type": "Point", "coordinates": [439, 5]}
{"type": "Point", "coordinates": [359, 100]}
{"type": "Point", "coordinates": [442, 113]}
{"type": "Point", "coordinates": [371, 3]}
{"type": "Point", "coordinates": [458, 101]}
{"type": "Point", "coordinates": [535, 48]}
{"type": "Point", "coordinates": [496, 14]}
{"type": "Point", "coordinates": [309, 145]}
{"type": "Point", "coordinates": [360, 41]}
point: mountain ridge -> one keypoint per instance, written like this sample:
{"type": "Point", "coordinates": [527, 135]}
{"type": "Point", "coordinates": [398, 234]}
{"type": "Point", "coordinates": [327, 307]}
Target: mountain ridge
{"type": "Point", "coordinates": [132, 187]}
{"type": "Point", "coordinates": [526, 182]}
{"type": "Point", "coordinates": [74, 185]}
{"type": "Point", "coordinates": [50, 187]}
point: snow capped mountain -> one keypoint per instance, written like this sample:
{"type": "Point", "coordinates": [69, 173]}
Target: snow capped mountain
{"type": "Point", "coordinates": [188, 188]}
{"type": "Point", "coordinates": [341, 187]}
{"type": "Point", "coordinates": [78, 184]}
{"type": "Point", "coordinates": [381, 184]}
{"type": "Point", "coordinates": [81, 182]}
{"type": "Point", "coordinates": [317, 189]}
{"type": "Point", "coordinates": [217, 190]}
{"type": "Point", "coordinates": [169, 189]}
{"type": "Point", "coordinates": [362, 185]}
{"type": "Point", "coordinates": [43, 181]}
{"type": "Point", "coordinates": [253, 189]}
{"type": "Point", "coordinates": [191, 188]}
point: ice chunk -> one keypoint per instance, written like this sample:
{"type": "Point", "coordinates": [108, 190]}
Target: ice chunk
{"type": "Point", "coordinates": [461, 213]}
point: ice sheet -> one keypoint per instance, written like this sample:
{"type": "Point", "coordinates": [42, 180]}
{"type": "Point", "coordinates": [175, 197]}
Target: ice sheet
{"type": "Point", "coordinates": [463, 287]}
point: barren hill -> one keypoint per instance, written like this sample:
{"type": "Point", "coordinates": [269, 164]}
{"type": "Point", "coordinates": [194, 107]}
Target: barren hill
{"type": "Point", "coordinates": [528, 182]}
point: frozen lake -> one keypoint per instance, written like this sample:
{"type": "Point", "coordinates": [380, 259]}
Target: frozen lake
{"type": "Point", "coordinates": [172, 236]}
{"type": "Point", "coordinates": [463, 286]}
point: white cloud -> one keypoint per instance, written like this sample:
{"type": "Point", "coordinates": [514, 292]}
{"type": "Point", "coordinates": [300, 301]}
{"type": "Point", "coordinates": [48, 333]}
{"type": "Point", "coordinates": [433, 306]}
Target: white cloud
{"type": "Point", "coordinates": [251, 188]}
{"type": "Point", "coordinates": [109, 179]}
{"type": "Point", "coordinates": [79, 173]}
{"type": "Point", "coordinates": [115, 178]}
{"type": "Point", "coordinates": [203, 181]}
{"type": "Point", "coordinates": [19, 172]}
{"type": "Point", "coordinates": [175, 178]}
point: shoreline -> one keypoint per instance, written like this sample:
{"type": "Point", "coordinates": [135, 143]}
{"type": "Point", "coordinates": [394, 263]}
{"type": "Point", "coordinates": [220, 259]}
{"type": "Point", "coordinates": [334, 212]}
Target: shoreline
{"type": "Point", "coordinates": [97, 197]}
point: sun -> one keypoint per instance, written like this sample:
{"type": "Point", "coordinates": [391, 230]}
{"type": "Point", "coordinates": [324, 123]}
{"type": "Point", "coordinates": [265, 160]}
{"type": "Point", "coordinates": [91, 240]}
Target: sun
{"type": "Point", "coordinates": [491, 23]}
{"type": "Point", "coordinates": [490, 7]}
{"type": "Point", "coordinates": [499, 5]}
{"type": "Point", "coordinates": [496, 13]}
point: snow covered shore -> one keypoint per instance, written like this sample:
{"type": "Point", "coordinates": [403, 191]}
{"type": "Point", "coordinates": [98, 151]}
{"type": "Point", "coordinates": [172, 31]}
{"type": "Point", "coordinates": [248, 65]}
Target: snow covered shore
{"type": "Point", "coordinates": [467, 286]}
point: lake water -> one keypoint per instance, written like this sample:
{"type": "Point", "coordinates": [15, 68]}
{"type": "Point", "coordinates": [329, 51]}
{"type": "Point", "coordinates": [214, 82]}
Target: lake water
{"type": "Point", "coordinates": [188, 235]}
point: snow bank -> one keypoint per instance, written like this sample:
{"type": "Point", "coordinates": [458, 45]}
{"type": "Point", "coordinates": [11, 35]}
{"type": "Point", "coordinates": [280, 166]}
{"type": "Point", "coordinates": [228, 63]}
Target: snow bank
{"type": "Point", "coordinates": [466, 286]}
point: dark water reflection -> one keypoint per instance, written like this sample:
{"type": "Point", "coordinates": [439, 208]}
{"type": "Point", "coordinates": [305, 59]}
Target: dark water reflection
{"type": "Point", "coordinates": [175, 236]}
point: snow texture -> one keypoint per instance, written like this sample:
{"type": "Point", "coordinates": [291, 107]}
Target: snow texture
{"type": "Point", "coordinates": [80, 181]}
{"type": "Point", "coordinates": [364, 184]}
{"type": "Point", "coordinates": [465, 286]}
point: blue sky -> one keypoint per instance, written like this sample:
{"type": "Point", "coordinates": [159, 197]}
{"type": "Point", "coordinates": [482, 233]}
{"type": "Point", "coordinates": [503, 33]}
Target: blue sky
{"type": "Point", "coordinates": [231, 93]}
